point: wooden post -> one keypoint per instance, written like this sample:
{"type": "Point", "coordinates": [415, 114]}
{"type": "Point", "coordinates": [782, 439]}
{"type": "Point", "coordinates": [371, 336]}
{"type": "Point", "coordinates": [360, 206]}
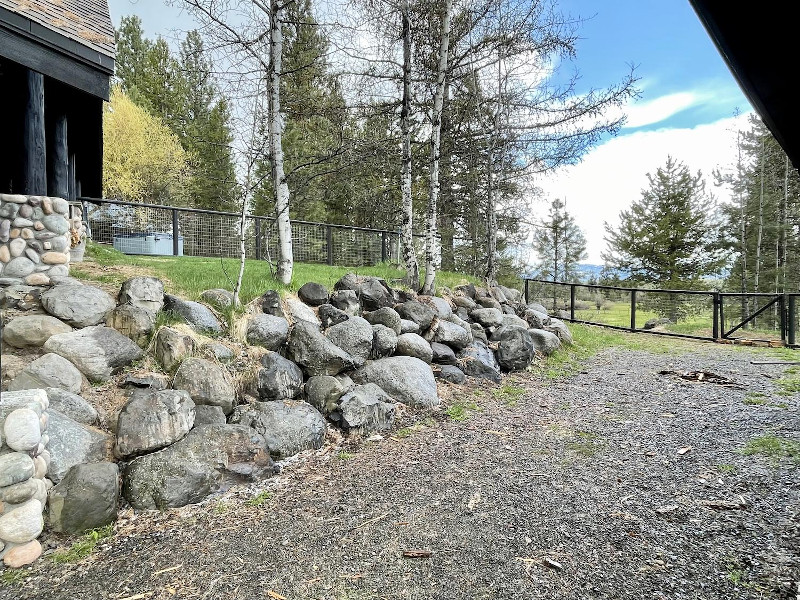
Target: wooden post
{"type": "Point", "coordinates": [59, 159]}
{"type": "Point", "coordinates": [35, 144]}
{"type": "Point", "coordinates": [633, 310]}
{"type": "Point", "coordinates": [73, 191]}
{"type": "Point", "coordinates": [790, 317]}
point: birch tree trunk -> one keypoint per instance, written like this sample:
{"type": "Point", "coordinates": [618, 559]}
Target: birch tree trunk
{"type": "Point", "coordinates": [409, 255]}
{"type": "Point", "coordinates": [280, 187]}
{"type": "Point", "coordinates": [431, 238]}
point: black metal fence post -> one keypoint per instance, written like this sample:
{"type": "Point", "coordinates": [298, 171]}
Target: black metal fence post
{"type": "Point", "coordinates": [722, 316]}
{"type": "Point", "coordinates": [258, 238]}
{"type": "Point", "coordinates": [633, 310]}
{"type": "Point", "coordinates": [329, 241]}
{"type": "Point", "coordinates": [784, 320]}
{"type": "Point", "coordinates": [717, 305]}
{"type": "Point", "coordinates": [572, 302]}
{"type": "Point", "coordinates": [527, 297]}
{"type": "Point", "coordinates": [383, 246]}
{"type": "Point", "coordinates": [175, 230]}
{"type": "Point", "coordinates": [790, 318]}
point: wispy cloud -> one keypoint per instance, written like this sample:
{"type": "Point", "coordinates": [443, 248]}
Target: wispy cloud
{"type": "Point", "coordinates": [660, 109]}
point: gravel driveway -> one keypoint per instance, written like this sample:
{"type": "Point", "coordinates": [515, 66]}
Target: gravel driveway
{"type": "Point", "coordinates": [617, 482]}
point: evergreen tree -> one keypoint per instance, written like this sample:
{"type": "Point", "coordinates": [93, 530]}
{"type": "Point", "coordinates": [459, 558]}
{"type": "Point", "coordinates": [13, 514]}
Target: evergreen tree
{"type": "Point", "coordinates": [559, 244]}
{"type": "Point", "coordinates": [668, 237]}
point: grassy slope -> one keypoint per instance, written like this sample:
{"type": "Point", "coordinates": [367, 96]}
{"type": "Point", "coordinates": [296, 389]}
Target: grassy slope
{"type": "Point", "coordinates": [188, 276]}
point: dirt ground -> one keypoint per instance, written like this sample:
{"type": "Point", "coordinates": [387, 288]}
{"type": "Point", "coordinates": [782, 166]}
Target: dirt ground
{"type": "Point", "coordinates": [617, 482]}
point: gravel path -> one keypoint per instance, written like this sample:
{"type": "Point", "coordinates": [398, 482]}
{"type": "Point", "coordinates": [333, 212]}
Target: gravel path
{"type": "Point", "coordinates": [582, 488]}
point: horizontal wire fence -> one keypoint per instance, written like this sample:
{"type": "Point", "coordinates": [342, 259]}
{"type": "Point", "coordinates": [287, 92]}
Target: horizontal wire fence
{"type": "Point", "coordinates": [150, 229]}
{"type": "Point", "coordinates": [697, 314]}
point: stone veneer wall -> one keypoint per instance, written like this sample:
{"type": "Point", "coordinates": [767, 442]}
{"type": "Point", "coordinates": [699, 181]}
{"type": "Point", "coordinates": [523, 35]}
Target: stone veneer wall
{"type": "Point", "coordinates": [35, 238]}
{"type": "Point", "coordinates": [24, 461]}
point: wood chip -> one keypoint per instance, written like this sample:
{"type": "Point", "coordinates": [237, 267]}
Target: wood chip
{"type": "Point", "coordinates": [275, 595]}
{"type": "Point", "coordinates": [553, 564]}
{"type": "Point", "coordinates": [667, 508]}
{"type": "Point", "coordinates": [417, 553]}
{"type": "Point", "coordinates": [684, 450]}
{"type": "Point", "coordinates": [167, 570]}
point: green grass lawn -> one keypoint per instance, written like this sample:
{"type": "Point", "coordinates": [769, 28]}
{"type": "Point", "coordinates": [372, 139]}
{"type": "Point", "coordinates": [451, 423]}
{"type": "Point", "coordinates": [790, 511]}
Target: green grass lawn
{"type": "Point", "coordinates": [189, 276]}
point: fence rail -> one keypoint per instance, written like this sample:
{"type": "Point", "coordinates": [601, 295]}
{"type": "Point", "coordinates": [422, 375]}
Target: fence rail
{"type": "Point", "coordinates": [137, 228]}
{"type": "Point", "coordinates": [695, 314]}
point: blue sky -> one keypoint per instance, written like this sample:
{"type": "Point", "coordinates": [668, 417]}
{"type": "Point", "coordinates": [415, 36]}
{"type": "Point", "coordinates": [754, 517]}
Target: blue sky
{"type": "Point", "coordinates": [686, 109]}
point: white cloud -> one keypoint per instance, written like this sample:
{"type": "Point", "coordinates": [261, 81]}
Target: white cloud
{"type": "Point", "coordinates": [614, 174]}
{"type": "Point", "coordinates": [660, 109]}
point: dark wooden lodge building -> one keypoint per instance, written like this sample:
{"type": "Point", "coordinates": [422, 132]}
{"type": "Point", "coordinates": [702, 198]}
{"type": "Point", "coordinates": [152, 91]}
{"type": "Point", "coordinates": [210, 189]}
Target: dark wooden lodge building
{"type": "Point", "coordinates": [56, 61]}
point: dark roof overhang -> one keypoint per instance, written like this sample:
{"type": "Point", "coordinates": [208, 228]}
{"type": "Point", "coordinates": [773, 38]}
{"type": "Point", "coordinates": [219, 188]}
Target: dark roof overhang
{"type": "Point", "coordinates": [758, 45]}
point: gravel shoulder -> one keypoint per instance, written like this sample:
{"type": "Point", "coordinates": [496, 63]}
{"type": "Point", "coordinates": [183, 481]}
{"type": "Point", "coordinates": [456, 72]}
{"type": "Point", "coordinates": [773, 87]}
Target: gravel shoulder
{"type": "Point", "coordinates": [616, 482]}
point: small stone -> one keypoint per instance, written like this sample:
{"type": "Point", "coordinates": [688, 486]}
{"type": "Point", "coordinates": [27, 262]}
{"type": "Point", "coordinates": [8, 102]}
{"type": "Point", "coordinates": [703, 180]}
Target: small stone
{"type": "Point", "coordinates": [5, 230]}
{"type": "Point", "coordinates": [47, 206]}
{"type": "Point", "coordinates": [39, 467]}
{"type": "Point", "coordinates": [33, 255]}
{"type": "Point", "coordinates": [22, 555]}
{"type": "Point", "coordinates": [21, 430]}
{"type": "Point", "coordinates": [55, 258]}
{"type": "Point", "coordinates": [14, 233]}
{"type": "Point", "coordinates": [17, 247]}
{"type": "Point", "coordinates": [14, 468]}
{"type": "Point", "coordinates": [25, 211]}
{"type": "Point", "coordinates": [20, 222]}
{"type": "Point", "coordinates": [23, 524]}
{"type": "Point", "coordinates": [56, 224]}
{"type": "Point", "coordinates": [38, 225]}
{"type": "Point", "coordinates": [60, 206]}
{"type": "Point", "coordinates": [35, 201]}
{"type": "Point", "coordinates": [18, 267]}
{"type": "Point", "coordinates": [20, 492]}
{"type": "Point", "coordinates": [37, 279]}
{"type": "Point", "coordinates": [26, 234]}
{"type": "Point", "coordinates": [15, 198]}
{"type": "Point", "coordinates": [5, 254]}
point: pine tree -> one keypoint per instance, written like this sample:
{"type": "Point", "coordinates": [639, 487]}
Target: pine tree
{"type": "Point", "coordinates": [668, 236]}
{"type": "Point", "coordinates": [559, 244]}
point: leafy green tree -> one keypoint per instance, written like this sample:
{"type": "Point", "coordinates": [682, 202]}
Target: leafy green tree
{"type": "Point", "coordinates": [560, 245]}
{"type": "Point", "coordinates": [669, 236]}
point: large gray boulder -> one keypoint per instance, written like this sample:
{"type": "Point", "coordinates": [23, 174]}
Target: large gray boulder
{"type": "Point", "coordinates": [317, 355]}
{"type": "Point", "coordinates": [405, 378]}
{"type": "Point", "coordinates": [477, 360]}
{"type": "Point", "coordinates": [133, 322]}
{"type": "Point", "coordinates": [72, 443]}
{"type": "Point", "coordinates": [323, 393]}
{"type": "Point", "coordinates": [150, 421]}
{"type": "Point", "coordinates": [77, 305]}
{"type": "Point", "coordinates": [442, 354]}
{"type": "Point", "coordinates": [560, 328]}
{"type": "Point", "coordinates": [346, 301]}
{"type": "Point", "coordinates": [206, 383]}
{"type": "Point", "coordinates": [288, 427]}
{"type": "Point", "coordinates": [298, 311]}
{"type": "Point", "coordinates": [354, 336]}
{"type": "Point", "coordinates": [50, 370]}
{"type": "Point", "coordinates": [313, 294]}
{"type": "Point", "coordinates": [545, 342]}
{"type": "Point", "coordinates": [86, 498]}
{"type": "Point", "coordinates": [384, 341]}
{"type": "Point", "coordinates": [198, 316]}
{"type": "Point", "coordinates": [186, 472]}
{"type": "Point", "coordinates": [421, 314]}
{"type": "Point", "coordinates": [330, 315]}
{"type": "Point", "coordinates": [411, 344]}
{"type": "Point", "coordinates": [218, 297]}
{"type": "Point", "coordinates": [487, 317]}
{"type": "Point", "coordinates": [452, 334]}
{"type": "Point", "coordinates": [515, 349]}
{"type": "Point", "coordinates": [72, 405]}
{"type": "Point", "coordinates": [271, 304]}
{"type": "Point", "coordinates": [143, 292]}
{"type": "Point", "coordinates": [268, 331]}
{"type": "Point", "coordinates": [278, 378]}
{"type": "Point", "coordinates": [373, 292]}
{"type": "Point", "coordinates": [97, 351]}
{"type": "Point", "coordinates": [442, 307]}
{"type": "Point", "coordinates": [385, 316]}
{"type": "Point", "coordinates": [172, 347]}
{"type": "Point", "coordinates": [32, 331]}
{"type": "Point", "coordinates": [510, 320]}
{"type": "Point", "coordinates": [450, 374]}
{"type": "Point", "coordinates": [367, 409]}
